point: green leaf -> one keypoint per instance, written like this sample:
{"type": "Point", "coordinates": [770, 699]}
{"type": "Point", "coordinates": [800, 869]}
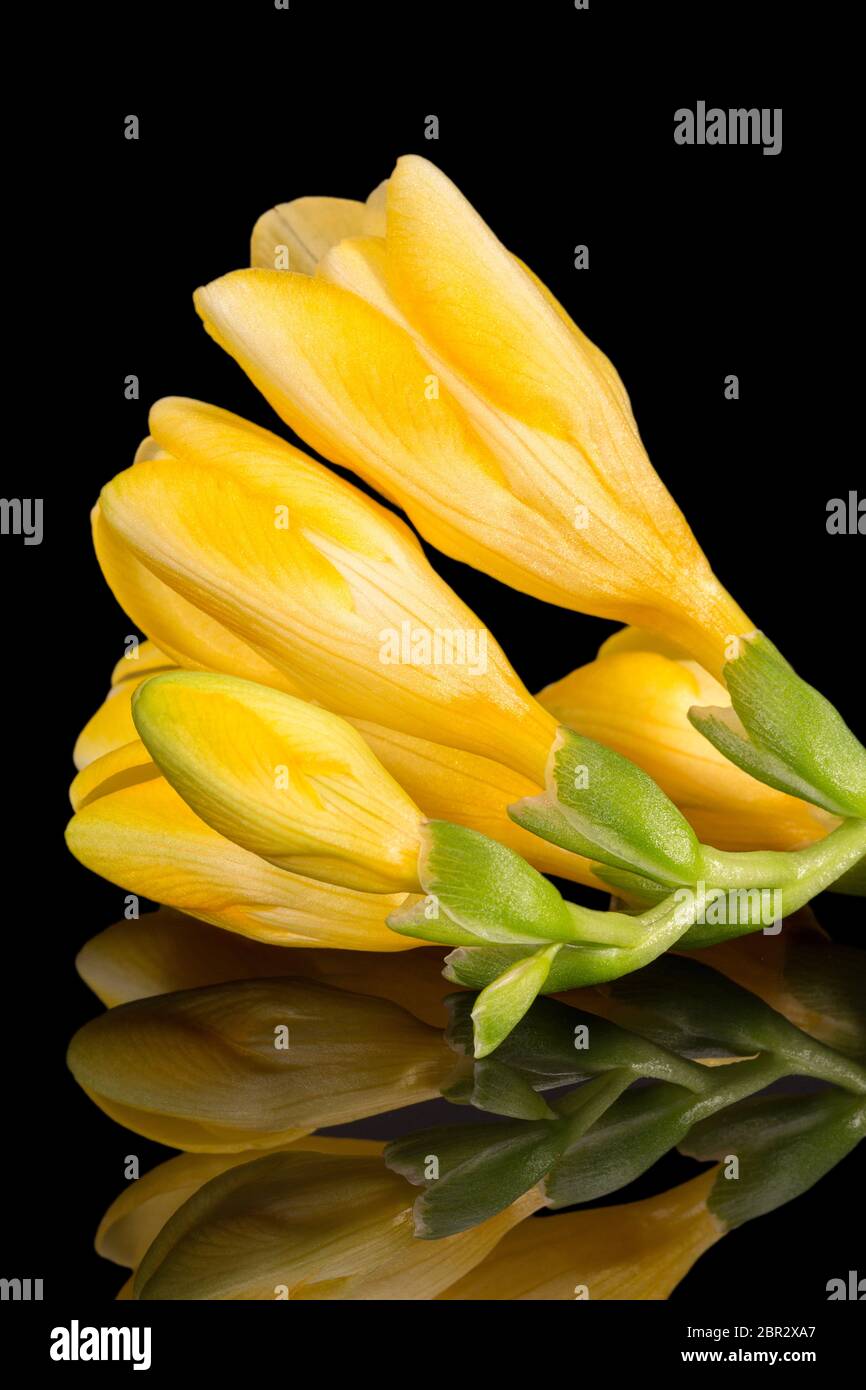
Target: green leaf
{"type": "Point", "coordinates": [783, 1145]}
{"type": "Point", "coordinates": [601, 805]}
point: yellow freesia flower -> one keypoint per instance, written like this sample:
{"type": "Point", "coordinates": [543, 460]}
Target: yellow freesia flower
{"type": "Point", "coordinates": [299, 1228]}
{"type": "Point", "coordinates": [307, 1226]}
{"type": "Point", "coordinates": [284, 779]}
{"type": "Point", "coordinates": [639, 1251]}
{"type": "Point", "coordinates": [447, 783]}
{"type": "Point", "coordinates": [635, 698]}
{"type": "Point", "coordinates": [435, 364]}
{"type": "Point", "coordinates": [234, 552]}
{"type": "Point", "coordinates": [165, 951]}
{"type": "Point", "coordinates": [255, 1064]}
{"type": "Point", "coordinates": [136, 1217]}
{"type": "Point", "coordinates": [131, 827]}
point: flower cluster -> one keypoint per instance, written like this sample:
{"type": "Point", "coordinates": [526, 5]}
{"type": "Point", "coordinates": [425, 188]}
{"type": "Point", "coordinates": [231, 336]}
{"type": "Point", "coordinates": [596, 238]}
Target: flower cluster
{"type": "Point", "coordinates": [321, 765]}
{"type": "Point", "coordinates": [260, 1206]}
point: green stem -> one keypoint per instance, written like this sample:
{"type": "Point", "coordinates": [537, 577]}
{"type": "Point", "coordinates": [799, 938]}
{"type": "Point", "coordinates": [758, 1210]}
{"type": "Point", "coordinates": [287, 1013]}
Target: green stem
{"type": "Point", "coordinates": [826, 860]}
{"type": "Point", "coordinates": [800, 875]}
{"type": "Point", "coordinates": [736, 1082]}
{"type": "Point", "coordinates": [504, 1000]}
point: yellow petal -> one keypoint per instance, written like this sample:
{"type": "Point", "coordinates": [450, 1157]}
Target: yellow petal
{"type": "Point", "coordinates": [138, 660]}
{"type": "Point", "coordinates": [360, 264]}
{"type": "Point", "coordinates": [449, 784]}
{"type": "Point", "coordinates": [640, 1251]}
{"type": "Point", "coordinates": [636, 702]}
{"type": "Point", "coordinates": [111, 727]}
{"type": "Point", "coordinates": [300, 232]}
{"type": "Point", "coordinates": [475, 303]}
{"type": "Point", "coordinates": [165, 951]}
{"type": "Point", "coordinates": [129, 765]}
{"type": "Point", "coordinates": [341, 598]}
{"type": "Point", "coordinates": [136, 1217]}
{"type": "Point", "coordinates": [255, 1063]}
{"type": "Point", "coordinates": [149, 449]}
{"type": "Point", "coordinates": [354, 384]}
{"type": "Point", "coordinates": [285, 779]}
{"type": "Point", "coordinates": [143, 837]}
{"type": "Point", "coordinates": [186, 634]}
{"type": "Point", "coordinates": [521, 424]}
{"type": "Point", "coordinates": [637, 639]}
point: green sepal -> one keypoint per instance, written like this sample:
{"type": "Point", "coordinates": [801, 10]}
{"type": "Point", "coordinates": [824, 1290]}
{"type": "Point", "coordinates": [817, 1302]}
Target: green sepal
{"type": "Point", "coordinates": [600, 805]}
{"type": "Point", "coordinates": [641, 1126]}
{"type": "Point", "coordinates": [783, 1145]}
{"type": "Point", "coordinates": [556, 1045]}
{"type": "Point", "coordinates": [576, 966]}
{"type": "Point", "coordinates": [482, 1169]}
{"type": "Point", "coordinates": [481, 891]}
{"type": "Point", "coordinates": [425, 920]}
{"type": "Point", "coordinates": [829, 980]}
{"type": "Point", "coordinates": [785, 732]}
{"type": "Point", "coordinates": [722, 727]}
{"type": "Point", "coordinates": [691, 1009]}
{"type": "Point", "coordinates": [488, 1084]}
{"type": "Point", "coordinates": [503, 1002]}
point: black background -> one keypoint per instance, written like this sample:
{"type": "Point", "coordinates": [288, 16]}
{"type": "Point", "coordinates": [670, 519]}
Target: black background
{"type": "Point", "coordinates": [703, 262]}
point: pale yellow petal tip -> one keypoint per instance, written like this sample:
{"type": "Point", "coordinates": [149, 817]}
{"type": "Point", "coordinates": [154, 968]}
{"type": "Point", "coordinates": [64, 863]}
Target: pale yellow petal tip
{"type": "Point", "coordinates": [417, 164]}
{"type": "Point", "coordinates": [168, 408]}
{"type": "Point", "coordinates": [148, 450]}
{"type": "Point", "coordinates": [637, 639]}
